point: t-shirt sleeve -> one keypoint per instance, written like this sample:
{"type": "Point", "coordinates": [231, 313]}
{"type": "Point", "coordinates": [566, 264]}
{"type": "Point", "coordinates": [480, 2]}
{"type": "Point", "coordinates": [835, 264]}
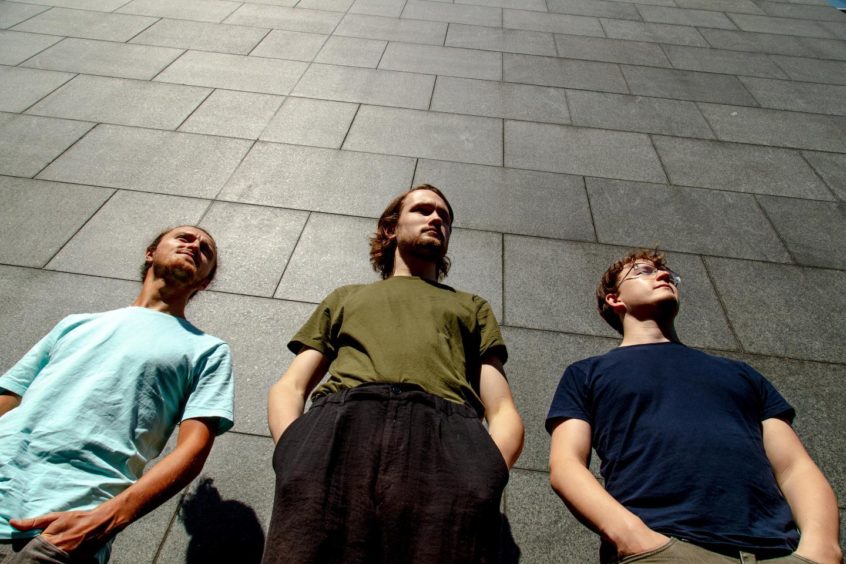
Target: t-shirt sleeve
{"type": "Point", "coordinates": [316, 332]}
{"type": "Point", "coordinates": [773, 403]}
{"type": "Point", "coordinates": [213, 393]}
{"type": "Point", "coordinates": [18, 379]}
{"type": "Point", "coordinates": [571, 399]}
{"type": "Point", "coordinates": [490, 341]}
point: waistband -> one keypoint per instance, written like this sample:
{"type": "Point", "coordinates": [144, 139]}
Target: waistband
{"type": "Point", "coordinates": [397, 392]}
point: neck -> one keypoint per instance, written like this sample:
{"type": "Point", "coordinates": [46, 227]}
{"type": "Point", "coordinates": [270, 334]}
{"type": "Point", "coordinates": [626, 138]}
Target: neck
{"type": "Point", "coordinates": [414, 266]}
{"type": "Point", "coordinates": [157, 295]}
{"type": "Point", "coordinates": [647, 331]}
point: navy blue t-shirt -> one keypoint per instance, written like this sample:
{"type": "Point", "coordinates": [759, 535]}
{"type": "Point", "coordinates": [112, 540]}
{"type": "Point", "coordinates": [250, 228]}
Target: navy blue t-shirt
{"type": "Point", "coordinates": [679, 435]}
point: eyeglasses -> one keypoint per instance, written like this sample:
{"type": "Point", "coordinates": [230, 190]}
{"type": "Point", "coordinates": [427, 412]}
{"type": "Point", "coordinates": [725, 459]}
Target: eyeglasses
{"type": "Point", "coordinates": [639, 269]}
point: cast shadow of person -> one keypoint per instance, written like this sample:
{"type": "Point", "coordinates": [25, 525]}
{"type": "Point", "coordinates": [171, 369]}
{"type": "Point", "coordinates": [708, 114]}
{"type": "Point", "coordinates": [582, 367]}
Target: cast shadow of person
{"type": "Point", "coordinates": [509, 552]}
{"type": "Point", "coordinates": [220, 530]}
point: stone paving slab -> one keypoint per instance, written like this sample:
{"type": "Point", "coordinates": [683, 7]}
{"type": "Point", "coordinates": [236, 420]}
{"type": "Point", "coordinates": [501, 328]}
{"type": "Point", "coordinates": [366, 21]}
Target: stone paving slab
{"type": "Point", "coordinates": [831, 168]}
{"type": "Point", "coordinates": [20, 87]}
{"type": "Point", "coordinates": [18, 46]}
{"type": "Point", "coordinates": [13, 13]}
{"type": "Point", "coordinates": [687, 85]}
{"type": "Point", "coordinates": [775, 128]}
{"type": "Point", "coordinates": [551, 71]}
{"type": "Point", "coordinates": [743, 168]}
{"type": "Point", "coordinates": [735, 6]}
{"type": "Point", "coordinates": [121, 101]}
{"type": "Point", "coordinates": [825, 48]}
{"type": "Point", "coordinates": [599, 8]}
{"type": "Point", "coordinates": [202, 36]}
{"type": "Point", "coordinates": [392, 29]}
{"type": "Point", "coordinates": [387, 8]}
{"type": "Point", "coordinates": [214, 11]}
{"type": "Point", "coordinates": [756, 42]}
{"type": "Point", "coordinates": [727, 62]}
{"type": "Point", "coordinates": [29, 143]}
{"type": "Point", "coordinates": [318, 123]}
{"type": "Point", "coordinates": [233, 114]}
{"type": "Point", "coordinates": [318, 179]}
{"type": "Point", "coordinates": [535, 203]}
{"type": "Point", "coordinates": [820, 246]}
{"type": "Point", "coordinates": [497, 39]}
{"type": "Point", "coordinates": [798, 96]}
{"type": "Point", "coordinates": [573, 150]}
{"type": "Point", "coordinates": [679, 16]}
{"type": "Point", "coordinates": [447, 61]}
{"type": "Point", "coordinates": [87, 25]}
{"type": "Point", "coordinates": [836, 29]}
{"type": "Point", "coordinates": [555, 23]}
{"type": "Point", "coordinates": [536, 5]}
{"type": "Point", "coordinates": [683, 219]}
{"type": "Point", "coordinates": [790, 311]}
{"type": "Point", "coordinates": [476, 265]}
{"type": "Point", "coordinates": [105, 58]}
{"type": "Point", "coordinates": [783, 10]}
{"type": "Point", "coordinates": [653, 32]}
{"type": "Point", "coordinates": [138, 217]}
{"type": "Point", "coordinates": [611, 50]}
{"type": "Point", "coordinates": [500, 99]}
{"type": "Point", "coordinates": [784, 26]}
{"type": "Point", "coordinates": [435, 135]}
{"type": "Point", "coordinates": [153, 161]}
{"type": "Point", "coordinates": [283, 17]}
{"type": "Point", "coordinates": [637, 113]}
{"type": "Point", "coordinates": [366, 86]}
{"type": "Point", "coordinates": [327, 5]}
{"type": "Point", "coordinates": [39, 217]}
{"type": "Point", "coordinates": [352, 51]}
{"type": "Point", "coordinates": [95, 5]}
{"type": "Point", "coordinates": [292, 45]}
{"type": "Point", "coordinates": [452, 13]}
{"type": "Point", "coordinates": [813, 70]}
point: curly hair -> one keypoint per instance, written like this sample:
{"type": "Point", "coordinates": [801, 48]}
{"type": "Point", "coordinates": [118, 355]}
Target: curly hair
{"type": "Point", "coordinates": [382, 243]}
{"type": "Point", "coordinates": [609, 283]}
{"type": "Point", "coordinates": [154, 244]}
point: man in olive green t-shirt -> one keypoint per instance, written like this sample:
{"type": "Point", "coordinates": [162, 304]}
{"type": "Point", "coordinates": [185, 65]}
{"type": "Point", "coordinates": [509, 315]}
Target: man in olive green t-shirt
{"type": "Point", "coordinates": [392, 462]}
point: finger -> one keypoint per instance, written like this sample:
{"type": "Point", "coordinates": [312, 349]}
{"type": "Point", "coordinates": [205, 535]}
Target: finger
{"type": "Point", "coordinates": [39, 522]}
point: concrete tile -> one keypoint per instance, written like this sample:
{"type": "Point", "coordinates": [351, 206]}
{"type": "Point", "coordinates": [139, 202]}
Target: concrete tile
{"type": "Point", "coordinates": [535, 5]}
{"type": "Point", "coordinates": [500, 99]}
{"type": "Point", "coordinates": [392, 29]}
{"type": "Point", "coordinates": [813, 70]}
{"type": "Point", "coordinates": [39, 217]}
{"type": "Point", "coordinates": [743, 168]}
{"type": "Point", "coordinates": [436, 135]}
{"type": "Point", "coordinates": [85, 24]}
{"type": "Point", "coordinates": [29, 143]}
{"type": "Point", "coordinates": [286, 3]}
{"type": "Point", "coordinates": [497, 39]}
{"type": "Point", "coordinates": [13, 13]}
{"type": "Point", "coordinates": [552, 71]}
{"type": "Point", "coordinates": [831, 168]}
{"type": "Point", "coordinates": [234, 72]}
{"type": "Point", "coordinates": [783, 26]}
{"type": "Point", "coordinates": [448, 61]}
{"type": "Point", "coordinates": [137, 217]}
{"type": "Point", "coordinates": [824, 48]}
{"type": "Point", "coordinates": [755, 42]}
{"type": "Point", "coordinates": [477, 265]}
{"type": "Point", "coordinates": [254, 244]}
{"type": "Point", "coordinates": [836, 29]}
{"type": "Point", "coordinates": [140, 541]}
{"type": "Point", "coordinates": [293, 45]}
{"type": "Point", "coordinates": [202, 36]}
{"type": "Point", "coordinates": [94, 5]}
{"type": "Point", "coordinates": [653, 32]}
{"type": "Point", "coordinates": [610, 50]}
{"type": "Point", "coordinates": [542, 526]}
{"type": "Point", "coordinates": [150, 161]}
{"type": "Point", "coordinates": [689, 220]}
{"type": "Point", "coordinates": [351, 51]}
{"type": "Point", "coordinates": [105, 58]}
{"type": "Point", "coordinates": [328, 5]}
{"type": "Point", "coordinates": [336, 247]}
{"type": "Point", "coordinates": [536, 203]}
{"type": "Point", "coordinates": [121, 101]}
{"type": "Point", "coordinates": [728, 62]}
{"type": "Point", "coordinates": [813, 231]}
{"type": "Point", "coordinates": [387, 8]}
{"type": "Point", "coordinates": [555, 23]}
{"type": "Point", "coordinates": [637, 113]}
{"type": "Point", "coordinates": [734, 6]}
{"type": "Point", "coordinates": [551, 284]}
{"type": "Point", "coordinates": [17, 46]}
{"type": "Point", "coordinates": [687, 85]}
{"type": "Point", "coordinates": [598, 8]}
{"type": "Point", "coordinates": [775, 128]}
{"type": "Point", "coordinates": [680, 16]}
{"type": "Point", "coordinates": [318, 179]}
{"type": "Point", "coordinates": [214, 11]}
{"type": "Point", "coordinates": [283, 17]}
{"type": "Point", "coordinates": [455, 13]}
{"type": "Point", "coordinates": [575, 150]}
{"type": "Point", "coordinates": [233, 114]}
{"type": "Point", "coordinates": [366, 86]}
{"type": "Point", "coordinates": [788, 311]}
{"type": "Point", "coordinates": [800, 11]}
{"type": "Point", "coordinates": [319, 123]}
{"type": "Point", "coordinates": [21, 87]}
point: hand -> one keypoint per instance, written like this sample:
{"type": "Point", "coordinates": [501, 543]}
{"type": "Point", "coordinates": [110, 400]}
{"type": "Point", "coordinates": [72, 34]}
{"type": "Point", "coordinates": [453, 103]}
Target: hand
{"type": "Point", "coordinates": [644, 541]}
{"type": "Point", "coordinates": [75, 532]}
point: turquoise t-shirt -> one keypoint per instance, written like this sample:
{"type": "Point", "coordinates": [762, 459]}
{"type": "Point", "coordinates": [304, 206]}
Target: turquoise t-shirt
{"type": "Point", "coordinates": [101, 395]}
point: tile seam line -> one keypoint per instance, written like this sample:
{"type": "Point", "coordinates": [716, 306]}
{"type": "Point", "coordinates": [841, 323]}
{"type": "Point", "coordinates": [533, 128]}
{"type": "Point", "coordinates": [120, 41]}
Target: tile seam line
{"type": "Point", "coordinates": [129, 41]}
{"type": "Point", "coordinates": [773, 226]}
{"type": "Point", "coordinates": [723, 306]}
{"type": "Point", "coordinates": [818, 175]}
{"type": "Point", "coordinates": [234, 170]}
{"type": "Point", "coordinates": [28, 59]}
{"type": "Point", "coordinates": [291, 255]}
{"type": "Point", "coordinates": [79, 229]}
{"type": "Point", "coordinates": [33, 15]}
{"type": "Point", "coordinates": [590, 210]}
{"type": "Point", "coordinates": [170, 524]}
{"type": "Point", "coordinates": [66, 149]}
{"type": "Point", "coordinates": [48, 94]}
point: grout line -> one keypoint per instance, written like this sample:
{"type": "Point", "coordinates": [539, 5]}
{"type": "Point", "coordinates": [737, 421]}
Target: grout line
{"type": "Point", "coordinates": [775, 229]}
{"type": "Point", "coordinates": [157, 20]}
{"type": "Point", "coordinates": [722, 303]}
{"type": "Point", "coordinates": [259, 42]}
{"type": "Point", "coordinates": [502, 280]}
{"type": "Point", "coordinates": [80, 228]}
{"type": "Point", "coordinates": [56, 89]}
{"type": "Point", "coordinates": [234, 170]}
{"type": "Point", "coordinates": [350, 126]}
{"type": "Point", "coordinates": [660, 160]}
{"type": "Point", "coordinates": [837, 198]}
{"type": "Point", "coordinates": [192, 112]}
{"type": "Point", "coordinates": [170, 524]}
{"type": "Point", "coordinates": [590, 209]}
{"type": "Point", "coordinates": [94, 126]}
{"type": "Point", "coordinates": [293, 249]}
{"type": "Point", "coordinates": [707, 121]}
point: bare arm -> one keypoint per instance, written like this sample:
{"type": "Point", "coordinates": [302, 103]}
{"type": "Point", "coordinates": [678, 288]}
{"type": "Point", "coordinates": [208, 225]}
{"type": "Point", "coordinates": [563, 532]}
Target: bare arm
{"type": "Point", "coordinates": [504, 423]}
{"type": "Point", "coordinates": [8, 401]}
{"type": "Point", "coordinates": [83, 532]}
{"type": "Point", "coordinates": [587, 499]}
{"type": "Point", "coordinates": [287, 397]}
{"type": "Point", "coordinates": [806, 490]}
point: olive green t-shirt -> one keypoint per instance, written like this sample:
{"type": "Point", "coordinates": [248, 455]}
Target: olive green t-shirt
{"type": "Point", "coordinates": [404, 330]}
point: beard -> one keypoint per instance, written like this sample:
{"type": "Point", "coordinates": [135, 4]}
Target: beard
{"type": "Point", "coordinates": [427, 248]}
{"type": "Point", "coordinates": [174, 273]}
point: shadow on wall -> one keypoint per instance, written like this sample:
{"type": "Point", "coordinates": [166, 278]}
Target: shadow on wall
{"type": "Point", "coordinates": [220, 530]}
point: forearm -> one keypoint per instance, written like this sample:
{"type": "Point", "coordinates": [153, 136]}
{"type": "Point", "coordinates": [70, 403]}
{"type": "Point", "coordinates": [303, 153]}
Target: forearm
{"type": "Point", "coordinates": [284, 404]}
{"type": "Point", "coordinates": [8, 401]}
{"type": "Point", "coordinates": [814, 508]}
{"type": "Point", "coordinates": [507, 432]}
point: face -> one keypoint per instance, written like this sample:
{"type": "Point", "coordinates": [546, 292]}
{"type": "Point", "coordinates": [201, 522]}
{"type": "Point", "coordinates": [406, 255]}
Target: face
{"type": "Point", "coordinates": [641, 284]}
{"type": "Point", "coordinates": [424, 225]}
{"type": "Point", "coordinates": [186, 255]}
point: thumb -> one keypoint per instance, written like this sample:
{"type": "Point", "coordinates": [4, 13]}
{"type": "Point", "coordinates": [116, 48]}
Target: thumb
{"type": "Point", "coordinates": [41, 522]}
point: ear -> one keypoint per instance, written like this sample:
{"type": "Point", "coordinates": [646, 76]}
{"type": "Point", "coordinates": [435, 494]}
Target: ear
{"type": "Point", "coordinates": [613, 300]}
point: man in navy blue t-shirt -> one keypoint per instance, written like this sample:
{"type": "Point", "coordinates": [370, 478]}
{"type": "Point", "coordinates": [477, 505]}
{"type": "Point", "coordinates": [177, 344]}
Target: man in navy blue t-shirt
{"type": "Point", "coordinates": [698, 456]}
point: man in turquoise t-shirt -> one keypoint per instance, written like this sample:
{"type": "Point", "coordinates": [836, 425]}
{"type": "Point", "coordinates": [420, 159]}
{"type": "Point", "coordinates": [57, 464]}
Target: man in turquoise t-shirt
{"type": "Point", "coordinates": [97, 398]}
